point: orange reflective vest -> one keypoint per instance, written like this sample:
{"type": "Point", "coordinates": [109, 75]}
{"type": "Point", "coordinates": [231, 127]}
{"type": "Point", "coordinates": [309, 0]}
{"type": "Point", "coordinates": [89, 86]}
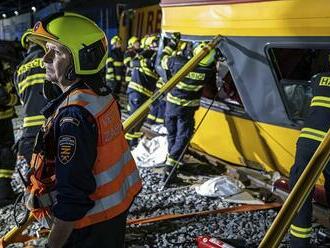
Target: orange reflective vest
{"type": "Point", "coordinates": [114, 170]}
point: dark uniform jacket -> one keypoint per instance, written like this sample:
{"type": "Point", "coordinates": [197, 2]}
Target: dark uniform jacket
{"type": "Point", "coordinates": [144, 77]}
{"type": "Point", "coordinates": [8, 96]}
{"type": "Point", "coordinates": [317, 121]}
{"type": "Point", "coordinates": [129, 55]}
{"type": "Point", "coordinates": [115, 68]}
{"type": "Point", "coordinates": [185, 96]}
{"type": "Point", "coordinates": [29, 79]}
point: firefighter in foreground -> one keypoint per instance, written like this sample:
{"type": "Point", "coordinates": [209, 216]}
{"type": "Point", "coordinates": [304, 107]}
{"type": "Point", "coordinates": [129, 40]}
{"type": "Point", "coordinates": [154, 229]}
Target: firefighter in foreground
{"type": "Point", "coordinates": [317, 123]}
{"type": "Point", "coordinates": [83, 172]}
{"type": "Point", "coordinates": [8, 100]}
{"type": "Point", "coordinates": [115, 67]}
{"type": "Point", "coordinates": [183, 100]}
{"type": "Point", "coordinates": [29, 80]}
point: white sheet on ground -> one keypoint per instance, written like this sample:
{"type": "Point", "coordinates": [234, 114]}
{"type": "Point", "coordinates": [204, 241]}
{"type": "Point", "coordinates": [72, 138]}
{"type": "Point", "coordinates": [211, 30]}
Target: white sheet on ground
{"type": "Point", "coordinates": [220, 187]}
{"type": "Point", "coordinates": [149, 153]}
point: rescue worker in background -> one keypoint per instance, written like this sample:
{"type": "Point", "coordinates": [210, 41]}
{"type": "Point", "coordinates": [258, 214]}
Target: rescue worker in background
{"type": "Point", "coordinates": [143, 41]}
{"type": "Point", "coordinates": [29, 80]}
{"type": "Point", "coordinates": [133, 48]}
{"type": "Point", "coordinates": [8, 99]}
{"type": "Point", "coordinates": [316, 124]}
{"type": "Point", "coordinates": [156, 115]}
{"type": "Point", "coordinates": [157, 110]}
{"type": "Point", "coordinates": [83, 172]}
{"type": "Point", "coordinates": [184, 99]}
{"type": "Point", "coordinates": [115, 67]}
{"type": "Point", "coordinates": [143, 83]}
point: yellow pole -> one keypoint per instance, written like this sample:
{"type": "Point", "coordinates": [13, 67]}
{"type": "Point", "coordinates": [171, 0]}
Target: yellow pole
{"type": "Point", "coordinates": [142, 111]}
{"type": "Point", "coordinates": [298, 195]}
{"type": "Point", "coordinates": [11, 236]}
{"type": "Point", "coordinates": [137, 116]}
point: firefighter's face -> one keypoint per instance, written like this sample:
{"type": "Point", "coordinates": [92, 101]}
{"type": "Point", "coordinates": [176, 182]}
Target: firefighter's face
{"type": "Point", "coordinates": [57, 62]}
{"type": "Point", "coordinates": [136, 45]}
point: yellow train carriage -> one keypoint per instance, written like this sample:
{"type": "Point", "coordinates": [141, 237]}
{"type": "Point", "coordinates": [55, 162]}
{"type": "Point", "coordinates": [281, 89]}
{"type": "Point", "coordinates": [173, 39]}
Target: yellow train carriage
{"type": "Point", "coordinates": [140, 21]}
{"type": "Point", "coordinates": [272, 49]}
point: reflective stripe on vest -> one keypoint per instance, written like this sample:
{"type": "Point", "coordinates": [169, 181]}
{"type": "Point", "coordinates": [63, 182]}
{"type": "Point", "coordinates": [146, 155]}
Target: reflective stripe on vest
{"type": "Point", "coordinates": [115, 172]}
{"type": "Point", "coordinates": [182, 102]}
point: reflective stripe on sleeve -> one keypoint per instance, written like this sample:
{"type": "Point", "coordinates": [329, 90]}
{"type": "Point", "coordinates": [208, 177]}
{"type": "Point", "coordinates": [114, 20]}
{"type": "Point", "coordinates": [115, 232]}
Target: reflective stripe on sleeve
{"type": "Point", "coordinates": [31, 121]}
{"type": "Point", "coordinates": [313, 134]}
{"type": "Point", "coordinates": [321, 101]}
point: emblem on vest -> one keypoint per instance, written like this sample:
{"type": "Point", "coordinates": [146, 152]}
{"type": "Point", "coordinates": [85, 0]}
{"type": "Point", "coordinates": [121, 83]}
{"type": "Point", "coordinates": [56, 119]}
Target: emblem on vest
{"type": "Point", "coordinates": [66, 148]}
{"type": "Point", "coordinates": [325, 81]}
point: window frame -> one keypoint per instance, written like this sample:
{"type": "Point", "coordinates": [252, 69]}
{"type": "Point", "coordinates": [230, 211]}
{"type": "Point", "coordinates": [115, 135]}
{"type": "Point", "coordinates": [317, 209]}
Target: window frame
{"type": "Point", "coordinates": [290, 45]}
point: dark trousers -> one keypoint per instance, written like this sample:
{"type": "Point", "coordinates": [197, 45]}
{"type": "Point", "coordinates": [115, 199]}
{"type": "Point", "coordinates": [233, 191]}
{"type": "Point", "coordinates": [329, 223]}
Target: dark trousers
{"type": "Point", "coordinates": [115, 86]}
{"type": "Point", "coordinates": [303, 221]}
{"type": "Point", "coordinates": [157, 113]}
{"type": "Point", "coordinates": [135, 100]}
{"type": "Point", "coordinates": [180, 128]}
{"type": "Point", "coordinates": [7, 157]}
{"type": "Point", "coordinates": [107, 234]}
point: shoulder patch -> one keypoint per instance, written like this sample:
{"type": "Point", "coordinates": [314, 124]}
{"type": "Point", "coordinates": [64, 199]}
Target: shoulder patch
{"type": "Point", "coordinates": [66, 148]}
{"type": "Point", "coordinates": [71, 120]}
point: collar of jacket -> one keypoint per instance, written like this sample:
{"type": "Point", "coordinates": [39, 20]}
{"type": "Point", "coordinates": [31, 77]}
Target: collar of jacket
{"type": "Point", "coordinates": [34, 48]}
{"type": "Point", "coordinates": [51, 106]}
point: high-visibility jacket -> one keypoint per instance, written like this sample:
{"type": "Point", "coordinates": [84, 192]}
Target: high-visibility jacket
{"type": "Point", "coordinates": [114, 169]}
{"type": "Point", "coordinates": [29, 79]}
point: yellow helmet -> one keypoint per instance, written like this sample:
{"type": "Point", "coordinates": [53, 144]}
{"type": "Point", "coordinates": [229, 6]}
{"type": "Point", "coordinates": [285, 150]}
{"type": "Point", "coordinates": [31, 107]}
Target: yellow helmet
{"type": "Point", "coordinates": [131, 41]}
{"type": "Point", "coordinates": [150, 40]}
{"type": "Point", "coordinates": [115, 39]}
{"type": "Point", "coordinates": [80, 35]}
{"type": "Point", "coordinates": [24, 38]}
{"type": "Point", "coordinates": [208, 59]}
{"type": "Point", "coordinates": [143, 42]}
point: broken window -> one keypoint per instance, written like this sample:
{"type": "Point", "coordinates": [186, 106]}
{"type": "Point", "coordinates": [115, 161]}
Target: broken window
{"type": "Point", "coordinates": [294, 68]}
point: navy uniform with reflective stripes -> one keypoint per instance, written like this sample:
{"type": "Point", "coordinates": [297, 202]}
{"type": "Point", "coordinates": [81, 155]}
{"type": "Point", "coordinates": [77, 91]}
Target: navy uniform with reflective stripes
{"type": "Point", "coordinates": [141, 87]}
{"type": "Point", "coordinates": [115, 70]}
{"type": "Point", "coordinates": [182, 102]}
{"type": "Point", "coordinates": [8, 99]}
{"type": "Point", "coordinates": [129, 55]}
{"type": "Point", "coordinates": [29, 79]}
{"type": "Point", "coordinates": [157, 111]}
{"type": "Point", "coordinates": [315, 127]}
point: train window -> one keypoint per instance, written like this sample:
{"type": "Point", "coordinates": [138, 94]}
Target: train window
{"type": "Point", "coordinates": [223, 80]}
{"type": "Point", "coordinates": [294, 68]}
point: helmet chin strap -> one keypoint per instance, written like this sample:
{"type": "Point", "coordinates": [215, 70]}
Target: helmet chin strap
{"type": "Point", "coordinates": [70, 74]}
